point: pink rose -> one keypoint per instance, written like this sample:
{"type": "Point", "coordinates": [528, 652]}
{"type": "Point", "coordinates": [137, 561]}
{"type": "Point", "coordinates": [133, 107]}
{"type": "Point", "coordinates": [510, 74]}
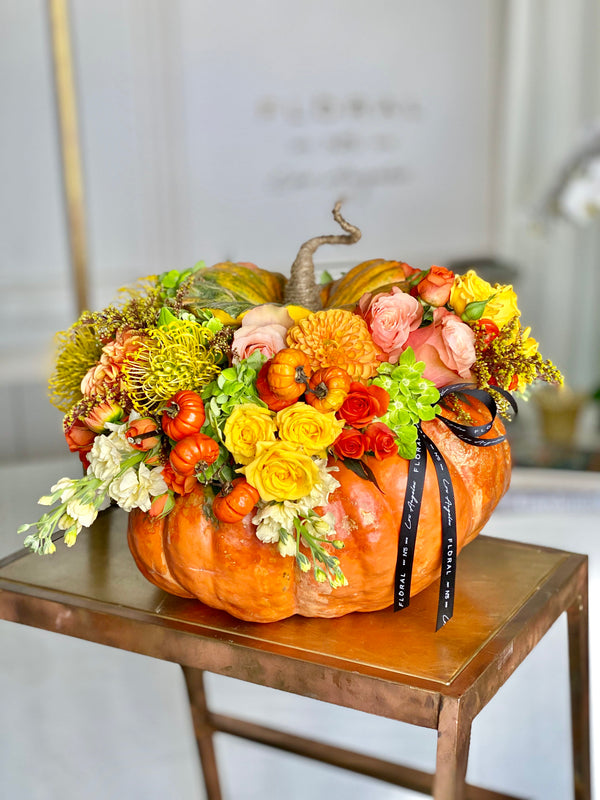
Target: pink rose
{"type": "Point", "coordinates": [447, 347]}
{"type": "Point", "coordinates": [264, 328]}
{"type": "Point", "coordinates": [390, 318]}
{"type": "Point", "coordinates": [268, 339]}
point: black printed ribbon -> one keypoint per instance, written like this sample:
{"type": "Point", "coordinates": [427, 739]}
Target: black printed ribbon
{"type": "Point", "coordinates": [471, 434]}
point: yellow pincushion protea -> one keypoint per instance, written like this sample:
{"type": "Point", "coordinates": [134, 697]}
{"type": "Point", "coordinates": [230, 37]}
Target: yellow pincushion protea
{"type": "Point", "coordinates": [167, 359]}
{"type": "Point", "coordinates": [337, 338]}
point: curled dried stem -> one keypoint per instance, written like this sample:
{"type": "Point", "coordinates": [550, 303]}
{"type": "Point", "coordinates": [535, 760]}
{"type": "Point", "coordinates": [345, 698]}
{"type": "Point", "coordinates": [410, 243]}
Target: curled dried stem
{"type": "Point", "coordinates": [301, 288]}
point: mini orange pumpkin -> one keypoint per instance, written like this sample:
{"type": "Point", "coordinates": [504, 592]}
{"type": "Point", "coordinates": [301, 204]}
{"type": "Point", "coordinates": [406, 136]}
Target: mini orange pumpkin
{"type": "Point", "coordinates": [328, 388]}
{"type": "Point", "coordinates": [235, 500]}
{"type": "Point", "coordinates": [192, 453]}
{"type": "Point", "coordinates": [288, 373]}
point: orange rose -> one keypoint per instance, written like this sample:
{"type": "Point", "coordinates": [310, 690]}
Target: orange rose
{"type": "Point", "coordinates": [436, 286]}
{"type": "Point", "coordinates": [380, 441]}
{"type": "Point", "coordinates": [363, 404]}
{"type": "Point", "coordinates": [349, 444]}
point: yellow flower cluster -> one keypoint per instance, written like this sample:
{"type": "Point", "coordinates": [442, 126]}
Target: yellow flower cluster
{"type": "Point", "coordinates": [510, 358]}
{"type": "Point", "coordinates": [500, 301]}
{"type": "Point", "coordinates": [277, 449]}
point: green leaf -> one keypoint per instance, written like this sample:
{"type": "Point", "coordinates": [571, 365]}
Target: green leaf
{"type": "Point", "coordinates": [427, 413]}
{"type": "Point", "coordinates": [169, 279]}
{"type": "Point", "coordinates": [408, 357]}
{"type": "Point", "coordinates": [165, 317]}
{"type": "Point", "coordinates": [362, 470]}
{"type": "Point", "coordinates": [407, 451]}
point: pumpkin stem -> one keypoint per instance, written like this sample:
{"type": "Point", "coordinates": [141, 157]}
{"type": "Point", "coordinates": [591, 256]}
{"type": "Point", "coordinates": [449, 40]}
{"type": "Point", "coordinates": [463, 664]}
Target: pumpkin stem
{"type": "Point", "coordinates": [172, 410]}
{"type": "Point", "coordinates": [301, 288]}
{"type": "Point", "coordinates": [301, 376]}
{"type": "Point", "coordinates": [226, 488]}
{"type": "Point", "coordinates": [320, 391]}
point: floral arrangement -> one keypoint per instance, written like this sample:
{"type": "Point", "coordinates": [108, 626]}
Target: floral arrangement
{"type": "Point", "coordinates": [180, 383]}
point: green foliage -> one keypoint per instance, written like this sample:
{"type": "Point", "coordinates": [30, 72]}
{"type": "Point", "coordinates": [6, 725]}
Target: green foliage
{"type": "Point", "coordinates": [233, 386]}
{"type": "Point", "coordinates": [170, 282]}
{"type": "Point", "coordinates": [412, 398]}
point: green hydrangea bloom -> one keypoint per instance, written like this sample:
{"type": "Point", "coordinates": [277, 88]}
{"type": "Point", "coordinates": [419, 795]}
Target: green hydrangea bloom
{"type": "Point", "coordinates": [412, 398]}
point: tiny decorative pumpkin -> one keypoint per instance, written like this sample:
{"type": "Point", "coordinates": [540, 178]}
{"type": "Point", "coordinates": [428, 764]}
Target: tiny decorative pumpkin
{"type": "Point", "coordinates": [328, 388]}
{"type": "Point", "coordinates": [194, 453]}
{"type": "Point", "coordinates": [183, 415]}
{"type": "Point", "coordinates": [274, 402]}
{"type": "Point", "coordinates": [288, 373]}
{"type": "Point", "coordinates": [235, 500]}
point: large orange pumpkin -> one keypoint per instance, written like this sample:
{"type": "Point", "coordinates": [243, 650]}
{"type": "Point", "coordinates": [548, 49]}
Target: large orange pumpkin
{"type": "Point", "coordinates": [190, 554]}
{"type": "Point", "coordinates": [226, 566]}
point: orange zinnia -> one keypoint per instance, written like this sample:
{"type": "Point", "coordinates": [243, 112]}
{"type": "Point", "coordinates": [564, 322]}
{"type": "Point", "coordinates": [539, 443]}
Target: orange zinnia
{"type": "Point", "coordinates": [337, 338]}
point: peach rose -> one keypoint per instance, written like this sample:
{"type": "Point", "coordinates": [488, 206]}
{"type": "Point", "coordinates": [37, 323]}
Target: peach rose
{"type": "Point", "coordinates": [263, 328]}
{"type": "Point", "coordinates": [447, 347]}
{"type": "Point", "coordinates": [390, 318]}
{"type": "Point", "coordinates": [268, 339]}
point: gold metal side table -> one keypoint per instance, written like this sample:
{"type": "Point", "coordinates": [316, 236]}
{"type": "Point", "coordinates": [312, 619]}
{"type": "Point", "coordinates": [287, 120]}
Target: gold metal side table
{"type": "Point", "coordinates": [392, 665]}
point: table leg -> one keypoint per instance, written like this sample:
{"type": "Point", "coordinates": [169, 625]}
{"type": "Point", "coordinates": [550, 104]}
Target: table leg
{"type": "Point", "coordinates": [454, 737]}
{"type": "Point", "coordinates": [577, 616]}
{"type": "Point", "coordinates": [203, 730]}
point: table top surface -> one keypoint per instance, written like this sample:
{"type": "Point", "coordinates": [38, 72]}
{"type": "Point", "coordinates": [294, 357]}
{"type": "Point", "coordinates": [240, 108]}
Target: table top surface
{"type": "Point", "coordinates": [496, 578]}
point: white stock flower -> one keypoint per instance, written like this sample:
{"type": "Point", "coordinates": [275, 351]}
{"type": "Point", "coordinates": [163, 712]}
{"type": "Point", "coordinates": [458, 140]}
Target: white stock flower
{"type": "Point", "coordinates": [153, 479]}
{"type": "Point", "coordinates": [135, 488]}
{"type": "Point", "coordinates": [67, 488]}
{"type": "Point", "coordinates": [267, 530]}
{"type": "Point", "coordinates": [83, 513]}
{"type": "Point", "coordinates": [123, 490]}
{"type": "Point", "coordinates": [105, 457]}
{"type": "Point", "coordinates": [287, 547]}
{"type": "Point", "coordinates": [271, 518]}
{"type": "Point", "coordinates": [283, 513]}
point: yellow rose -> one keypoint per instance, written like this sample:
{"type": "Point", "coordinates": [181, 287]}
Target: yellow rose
{"type": "Point", "coordinates": [305, 427]}
{"type": "Point", "coordinates": [281, 471]}
{"type": "Point", "coordinates": [470, 288]}
{"type": "Point", "coordinates": [247, 425]}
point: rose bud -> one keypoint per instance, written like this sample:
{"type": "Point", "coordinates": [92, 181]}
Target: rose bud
{"type": "Point", "coordinates": [139, 434]}
{"type": "Point", "coordinates": [436, 286]}
{"type": "Point", "coordinates": [79, 437]}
